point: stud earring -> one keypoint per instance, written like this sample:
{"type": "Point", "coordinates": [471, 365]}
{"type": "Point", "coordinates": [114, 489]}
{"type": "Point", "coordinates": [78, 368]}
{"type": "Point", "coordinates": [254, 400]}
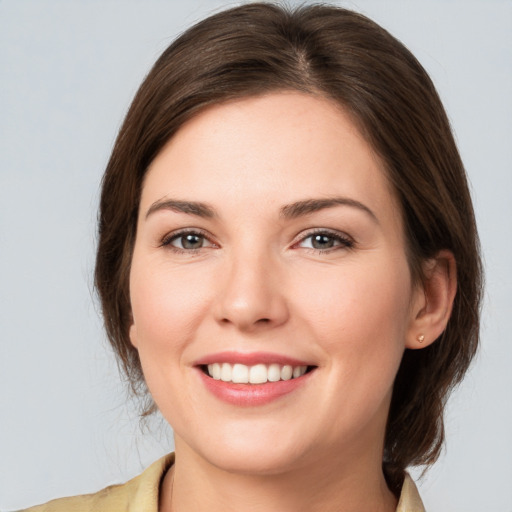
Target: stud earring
{"type": "Point", "coordinates": [421, 338]}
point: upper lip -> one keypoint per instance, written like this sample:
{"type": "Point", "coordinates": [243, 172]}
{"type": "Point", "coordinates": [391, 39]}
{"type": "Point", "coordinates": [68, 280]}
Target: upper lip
{"type": "Point", "coordinates": [250, 359]}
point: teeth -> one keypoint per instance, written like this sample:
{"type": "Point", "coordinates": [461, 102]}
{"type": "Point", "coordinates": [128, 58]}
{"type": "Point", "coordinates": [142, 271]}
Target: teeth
{"type": "Point", "coordinates": [286, 372]}
{"type": "Point", "coordinates": [296, 372]}
{"type": "Point", "coordinates": [257, 374]}
{"type": "Point", "coordinates": [274, 373]}
{"type": "Point", "coordinates": [226, 372]}
{"type": "Point", "coordinates": [214, 370]}
{"type": "Point", "coordinates": [240, 374]}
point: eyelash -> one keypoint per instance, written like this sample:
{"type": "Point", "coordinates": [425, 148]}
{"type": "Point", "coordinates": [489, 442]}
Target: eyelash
{"type": "Point", "coordinates": [176, 235]}
{"type": "Point", "coordinates": [343, 241]}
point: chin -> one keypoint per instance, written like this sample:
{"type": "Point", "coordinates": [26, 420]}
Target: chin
{"type": "Point", "coordinates": [257, 451]}
{"type": "Point", "coordinates": [250, 461]}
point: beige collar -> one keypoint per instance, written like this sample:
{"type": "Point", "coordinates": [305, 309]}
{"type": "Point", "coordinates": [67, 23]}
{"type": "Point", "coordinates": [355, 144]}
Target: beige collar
{"type": "Point", "coordinates": [410, 500]}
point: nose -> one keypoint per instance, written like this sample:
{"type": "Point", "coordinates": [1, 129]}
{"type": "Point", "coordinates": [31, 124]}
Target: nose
{"type": "Point", "coordinates": [253, 295]}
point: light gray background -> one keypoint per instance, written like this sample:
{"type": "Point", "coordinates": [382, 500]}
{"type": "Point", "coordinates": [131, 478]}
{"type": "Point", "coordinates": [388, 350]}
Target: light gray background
{"type": "Point", "coordinates": [68, 70]}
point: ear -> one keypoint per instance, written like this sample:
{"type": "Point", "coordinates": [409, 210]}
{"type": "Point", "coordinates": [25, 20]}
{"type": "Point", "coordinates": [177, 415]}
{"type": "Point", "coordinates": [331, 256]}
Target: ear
{"type": "Point", "coordinates": [433, 300]}
{"type": "Point", "coordinates": [132, 333]}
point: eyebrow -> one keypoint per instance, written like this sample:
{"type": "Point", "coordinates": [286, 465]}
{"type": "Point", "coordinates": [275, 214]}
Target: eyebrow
{"type": "Point", "coordinates": [289, 211]}
{"type": "Point", "coordinates": [301, 208]}
{"type": "Point", "coordinates": [190, 207]}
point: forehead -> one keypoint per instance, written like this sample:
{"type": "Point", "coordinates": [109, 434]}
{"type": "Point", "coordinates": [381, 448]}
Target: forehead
{"type": "Point", "coordinates": [288, 142]}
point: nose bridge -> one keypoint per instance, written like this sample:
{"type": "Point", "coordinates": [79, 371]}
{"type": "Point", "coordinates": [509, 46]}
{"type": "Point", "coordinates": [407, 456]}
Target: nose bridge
{"type": "Point", "coordinates": [251, 295]}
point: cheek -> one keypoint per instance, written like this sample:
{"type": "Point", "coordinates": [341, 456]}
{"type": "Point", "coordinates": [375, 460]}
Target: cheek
{"type": "Point", "coordinates": [359, 316]}
{"type": "Point", "coordinates": [166, 306]}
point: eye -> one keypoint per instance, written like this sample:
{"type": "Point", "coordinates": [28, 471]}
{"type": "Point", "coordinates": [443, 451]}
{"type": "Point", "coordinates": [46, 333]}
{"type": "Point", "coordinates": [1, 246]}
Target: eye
{"type": "Point", "coordinates": [325, 240]}
{"type": "Point", "coordinates": [187, 241]}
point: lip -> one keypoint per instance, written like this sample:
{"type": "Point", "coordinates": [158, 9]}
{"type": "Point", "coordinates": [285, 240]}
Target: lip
{"type": "Point", "coordinates": [248, 395]}
{"type": "Point", "coordinates": [250, 359]}
{"type": "Point", "coordinates": [251, 395]}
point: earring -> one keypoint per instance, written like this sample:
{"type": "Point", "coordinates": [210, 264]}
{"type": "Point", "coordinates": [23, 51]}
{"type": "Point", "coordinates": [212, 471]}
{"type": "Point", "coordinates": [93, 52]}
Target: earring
{"type": "Point", "coordinates": [421, 338]}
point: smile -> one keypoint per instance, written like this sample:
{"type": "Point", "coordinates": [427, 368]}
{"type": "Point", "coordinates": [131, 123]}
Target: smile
{"type": "Point", "coordinates": [252, 379]}
{"type": "Point", "coordinates": [256, 374]}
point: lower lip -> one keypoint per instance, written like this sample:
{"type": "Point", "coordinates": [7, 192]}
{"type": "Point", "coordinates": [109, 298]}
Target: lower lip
{"type": "Point", "coordinates": [248, 395]}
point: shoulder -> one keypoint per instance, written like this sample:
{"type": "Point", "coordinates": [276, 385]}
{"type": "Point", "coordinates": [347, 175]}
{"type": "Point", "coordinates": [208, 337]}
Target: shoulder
{"type": "Point", "coordinates": [139, 493]}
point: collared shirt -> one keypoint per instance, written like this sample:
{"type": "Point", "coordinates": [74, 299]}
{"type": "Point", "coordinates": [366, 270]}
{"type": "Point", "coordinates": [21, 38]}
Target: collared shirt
{"type": "Point", "coordinates": [140, 494]}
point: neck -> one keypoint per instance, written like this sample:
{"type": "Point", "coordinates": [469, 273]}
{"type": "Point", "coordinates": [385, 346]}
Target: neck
{"type": "Point", "coordinates": [322, 484]}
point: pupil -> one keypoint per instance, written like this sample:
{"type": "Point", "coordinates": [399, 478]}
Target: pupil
{"type": "Point", "coordinates": [191, 242]}
{"type": "Point", "coordinates": [322, 241]}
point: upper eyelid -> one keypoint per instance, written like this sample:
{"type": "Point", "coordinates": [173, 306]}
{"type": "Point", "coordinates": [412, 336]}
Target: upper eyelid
{"type": "Point", "coordinates": [319, 231]}
{"type": "Point", "coordinates": [172, 235]}
{"type": "Point", "coordinates": [303, 235]}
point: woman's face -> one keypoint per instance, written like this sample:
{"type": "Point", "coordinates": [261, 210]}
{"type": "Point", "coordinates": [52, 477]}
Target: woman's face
{"type": "Point", "coordinates": [269, 244]}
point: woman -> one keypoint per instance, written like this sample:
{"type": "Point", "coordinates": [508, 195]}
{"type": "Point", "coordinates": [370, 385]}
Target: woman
{"type": "Point", "coordinates": [288, 261]}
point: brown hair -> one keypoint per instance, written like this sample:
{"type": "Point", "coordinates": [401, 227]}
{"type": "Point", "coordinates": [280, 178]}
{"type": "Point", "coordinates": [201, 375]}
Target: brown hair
{"type": "Point", "coordinates": [339, 54]}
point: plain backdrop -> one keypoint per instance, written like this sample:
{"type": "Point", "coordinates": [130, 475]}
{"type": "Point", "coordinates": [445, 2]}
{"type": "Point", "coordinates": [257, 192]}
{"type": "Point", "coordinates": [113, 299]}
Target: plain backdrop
{"type": "Point", "coordinates": [68, 70]}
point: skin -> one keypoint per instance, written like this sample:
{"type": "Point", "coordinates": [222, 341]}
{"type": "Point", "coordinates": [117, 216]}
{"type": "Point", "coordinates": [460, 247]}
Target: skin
{"type": "Point", "coordinates": [256, 283]}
